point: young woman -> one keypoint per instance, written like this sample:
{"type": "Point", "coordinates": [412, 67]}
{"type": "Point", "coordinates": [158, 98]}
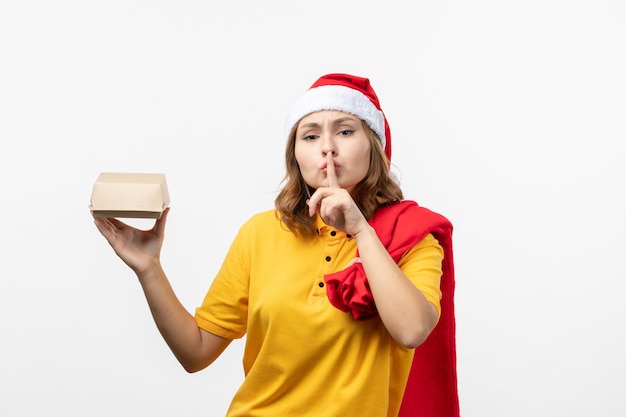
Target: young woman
{"type": "Point", "coordinates": [337, 289]}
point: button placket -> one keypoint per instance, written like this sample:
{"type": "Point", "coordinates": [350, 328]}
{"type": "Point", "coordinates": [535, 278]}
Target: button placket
{"type": "Point", "coordinates": [333, 245]}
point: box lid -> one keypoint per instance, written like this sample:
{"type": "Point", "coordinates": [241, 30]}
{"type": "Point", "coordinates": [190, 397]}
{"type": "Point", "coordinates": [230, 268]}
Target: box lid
{"type": "Point", "coordinates": [133, 195]}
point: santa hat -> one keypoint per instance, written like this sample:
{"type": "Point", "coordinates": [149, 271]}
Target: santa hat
{"type": "Point", "coordinates": [346, 93]}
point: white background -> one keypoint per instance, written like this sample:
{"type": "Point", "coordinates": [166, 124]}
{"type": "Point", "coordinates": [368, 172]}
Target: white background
{"type": "Point", "coordinates": [507, 117]}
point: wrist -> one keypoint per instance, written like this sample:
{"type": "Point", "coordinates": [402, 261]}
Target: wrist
{"type": "Point", "coordinates": [150, 274]}
{"type": "Point", "coordinates": [365, 232]}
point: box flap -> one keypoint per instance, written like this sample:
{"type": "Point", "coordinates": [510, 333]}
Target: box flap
{"type": "Point", "coordinates": [133, 195]}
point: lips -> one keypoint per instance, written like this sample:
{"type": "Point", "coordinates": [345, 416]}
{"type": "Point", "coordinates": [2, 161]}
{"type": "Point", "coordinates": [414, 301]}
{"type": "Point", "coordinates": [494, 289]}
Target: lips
{"type": "Point", "coordinates": [325, 166]}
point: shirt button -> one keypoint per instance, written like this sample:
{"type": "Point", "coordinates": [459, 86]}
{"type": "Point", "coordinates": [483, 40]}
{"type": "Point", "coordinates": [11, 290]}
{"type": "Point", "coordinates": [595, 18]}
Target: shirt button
{"type": "Point", "coordinates": [328, 258]}
{"type": "Point", "coordinates": [321, 284]}
{"type": "Point", "coordinates": [333, 233]}
{"type": "Point", "coordinates": [349, 236]}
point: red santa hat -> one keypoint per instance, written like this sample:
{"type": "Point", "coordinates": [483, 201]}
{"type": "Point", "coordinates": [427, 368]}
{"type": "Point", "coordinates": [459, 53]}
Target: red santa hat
{"type": "Point", "coordinates": [346, 93]}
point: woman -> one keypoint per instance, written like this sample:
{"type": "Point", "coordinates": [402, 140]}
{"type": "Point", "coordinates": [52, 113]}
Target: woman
{"type": "Point", "coordinates": [334, 288]}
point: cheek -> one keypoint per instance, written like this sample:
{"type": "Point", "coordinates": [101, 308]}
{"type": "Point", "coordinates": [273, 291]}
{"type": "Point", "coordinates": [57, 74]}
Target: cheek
{"type": "Point", "coordinates": [298, 158]}
{"type": "Point", "coordinates": [362, 161]}
{"type": "Point", "coordinates": [302, 156]}
{"type": "Point", "coordinates": [363, 169]}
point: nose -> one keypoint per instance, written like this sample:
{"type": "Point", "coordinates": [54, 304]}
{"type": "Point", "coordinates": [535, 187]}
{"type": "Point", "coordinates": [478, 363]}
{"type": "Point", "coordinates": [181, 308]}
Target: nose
{"type": "Point", "coordinates": [328, 145]}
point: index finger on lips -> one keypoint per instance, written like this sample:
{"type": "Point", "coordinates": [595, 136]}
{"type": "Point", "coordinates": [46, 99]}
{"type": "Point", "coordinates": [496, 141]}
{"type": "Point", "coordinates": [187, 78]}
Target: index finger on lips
{"type": "Point", "coordinates": [331, 174]}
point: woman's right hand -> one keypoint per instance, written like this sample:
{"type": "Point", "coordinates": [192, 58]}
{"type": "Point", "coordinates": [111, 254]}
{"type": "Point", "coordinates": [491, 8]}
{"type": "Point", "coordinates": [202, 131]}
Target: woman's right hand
{"type": "Point", "coordinates": [139, 249]}
{"type": "Point", "coordinates": [194, 348]}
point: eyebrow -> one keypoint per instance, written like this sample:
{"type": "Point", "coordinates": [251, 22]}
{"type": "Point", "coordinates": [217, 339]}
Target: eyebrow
{"type": "Point", "coordinates": [335, 122]}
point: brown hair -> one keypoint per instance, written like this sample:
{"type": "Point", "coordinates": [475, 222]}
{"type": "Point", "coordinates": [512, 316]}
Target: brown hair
{"type": "Point", "coordinates": [375, 190]}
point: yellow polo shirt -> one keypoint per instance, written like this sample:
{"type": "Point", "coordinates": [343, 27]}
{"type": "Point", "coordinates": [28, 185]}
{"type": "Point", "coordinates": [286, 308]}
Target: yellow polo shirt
{"type": "Point", "coordinates": [304, 357]}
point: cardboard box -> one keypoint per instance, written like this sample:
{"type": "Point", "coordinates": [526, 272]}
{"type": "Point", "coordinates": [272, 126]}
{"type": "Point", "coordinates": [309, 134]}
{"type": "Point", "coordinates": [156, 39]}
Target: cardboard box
{"type": "Point", "coordinates": [129, 195]}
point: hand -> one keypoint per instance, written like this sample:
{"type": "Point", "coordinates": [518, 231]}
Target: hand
{"type": "Point", "coordinates": [139, 249]}
{"type": "Point", "coordinates": [335, 205]}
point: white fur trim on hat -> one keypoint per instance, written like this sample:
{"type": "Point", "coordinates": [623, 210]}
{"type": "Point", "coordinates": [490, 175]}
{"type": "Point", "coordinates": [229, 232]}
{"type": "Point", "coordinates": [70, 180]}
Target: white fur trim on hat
{"type": "Point", "coordinates": [337, 97]}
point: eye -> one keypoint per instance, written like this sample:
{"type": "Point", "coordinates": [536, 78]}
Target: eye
{"type": "Point", "coordinates": [309, 137]}
{"type": "Point", "coordinates": [346, 132]}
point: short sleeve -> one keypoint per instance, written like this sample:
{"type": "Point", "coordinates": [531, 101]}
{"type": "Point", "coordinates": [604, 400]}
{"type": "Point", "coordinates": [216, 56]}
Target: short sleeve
{"type": "Point", "coordinates": [422, 264]}
{"type": "Point", "coordinates": [224, 309]}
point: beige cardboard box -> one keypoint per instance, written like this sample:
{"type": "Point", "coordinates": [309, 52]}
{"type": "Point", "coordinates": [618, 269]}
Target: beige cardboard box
{"type": "Point", "coordinates": [129, 195]}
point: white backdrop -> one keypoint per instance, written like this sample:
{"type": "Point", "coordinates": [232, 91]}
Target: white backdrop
{"type": "Point", "coordinates": [507, 117]}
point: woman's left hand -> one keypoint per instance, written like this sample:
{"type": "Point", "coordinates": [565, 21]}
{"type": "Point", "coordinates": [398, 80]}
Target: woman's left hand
{"type": "Point", "coordinates": [335, 204]}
